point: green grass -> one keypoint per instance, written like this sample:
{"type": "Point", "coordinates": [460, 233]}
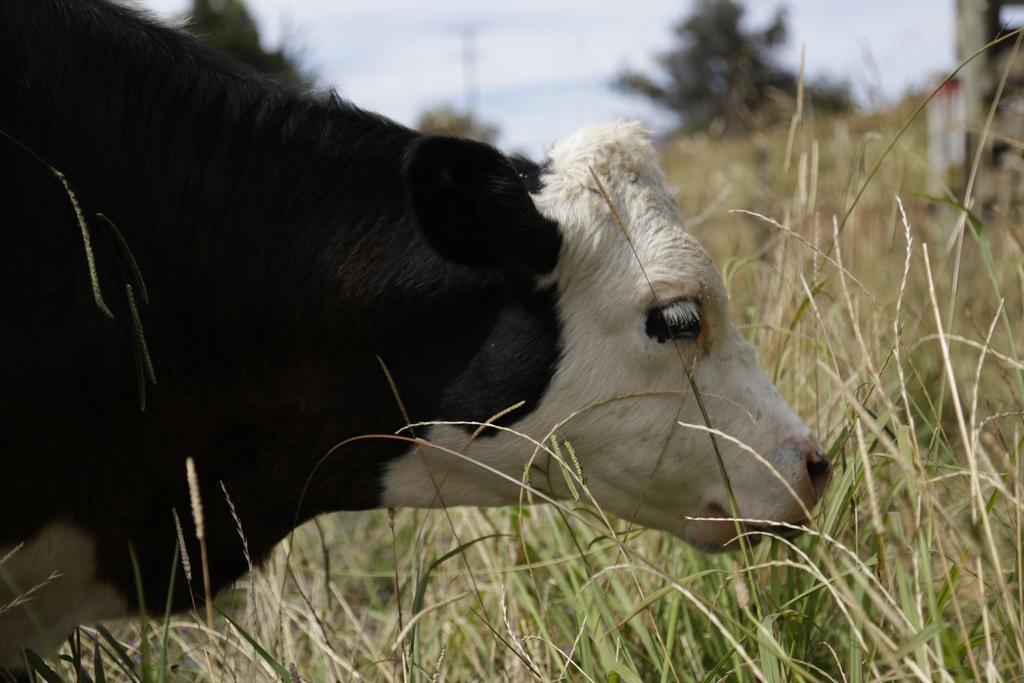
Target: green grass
{"type": "Point", "coordinates": [903, 355]}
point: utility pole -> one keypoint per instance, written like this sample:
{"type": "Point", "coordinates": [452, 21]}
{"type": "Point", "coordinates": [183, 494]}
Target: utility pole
{"type": "Point", "coordinates": [470, 61]}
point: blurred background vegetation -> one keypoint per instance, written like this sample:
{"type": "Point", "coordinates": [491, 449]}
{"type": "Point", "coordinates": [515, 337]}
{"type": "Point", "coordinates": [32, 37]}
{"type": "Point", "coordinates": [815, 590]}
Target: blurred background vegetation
{"type": "Point", "coordinates": [228, 25]}
{"type": "Point", "coordinates": [726, 78]}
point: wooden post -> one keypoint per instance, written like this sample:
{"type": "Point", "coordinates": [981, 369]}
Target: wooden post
{"type": "Point", "coordinates": [971, 35]}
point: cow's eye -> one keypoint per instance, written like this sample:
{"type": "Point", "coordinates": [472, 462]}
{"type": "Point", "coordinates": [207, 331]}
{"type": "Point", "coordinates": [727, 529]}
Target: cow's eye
{"type": "Point", "coordinates": [679, 320]}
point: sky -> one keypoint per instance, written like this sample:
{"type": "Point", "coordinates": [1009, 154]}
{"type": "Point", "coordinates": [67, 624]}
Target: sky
{"type": "Point", "coordinates": [543, 68]}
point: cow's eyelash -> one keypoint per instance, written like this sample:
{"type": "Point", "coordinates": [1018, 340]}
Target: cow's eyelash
{"type": "Point", "coordinates": [678, 320]}
{"type": "Point", "coordinates": [682, 312]}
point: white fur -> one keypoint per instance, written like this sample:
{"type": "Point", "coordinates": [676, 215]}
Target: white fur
{"type": "Point", "coordinates": [60, 563]}
{"type": "Point", "coordinates": [637, 461]}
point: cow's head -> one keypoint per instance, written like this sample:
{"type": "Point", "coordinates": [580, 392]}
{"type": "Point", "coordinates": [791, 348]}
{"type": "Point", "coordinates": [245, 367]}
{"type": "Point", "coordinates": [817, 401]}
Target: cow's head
{"type": "Point", "coordinates": [642, 322]}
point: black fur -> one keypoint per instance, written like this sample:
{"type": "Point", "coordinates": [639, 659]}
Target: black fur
{"type": "Point", "coordinates": [530, 173]}
{"type": "Point", "coordinates": [474, 208]}
{"type": "Point", "coordinates": [282, 256]}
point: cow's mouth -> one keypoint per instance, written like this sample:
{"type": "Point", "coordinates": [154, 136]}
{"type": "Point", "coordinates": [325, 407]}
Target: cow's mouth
{"type": "Point", "coordinates": [754, 532]}
{"type": "Point", "coordinates": [788, 530]}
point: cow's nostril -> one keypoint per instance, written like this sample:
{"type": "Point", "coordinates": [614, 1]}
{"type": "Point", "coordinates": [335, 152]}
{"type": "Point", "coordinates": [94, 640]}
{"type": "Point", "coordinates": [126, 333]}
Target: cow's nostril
{"type": "Point", "coordinates": [818, 467]}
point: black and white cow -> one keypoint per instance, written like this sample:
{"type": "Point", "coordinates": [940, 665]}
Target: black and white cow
{"type": "Point", "coordinates": [292, 248]}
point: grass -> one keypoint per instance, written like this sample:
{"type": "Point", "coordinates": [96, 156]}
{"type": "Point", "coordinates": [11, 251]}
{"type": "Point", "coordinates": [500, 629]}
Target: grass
{"type": "Point", "coordinates": [898, 339]}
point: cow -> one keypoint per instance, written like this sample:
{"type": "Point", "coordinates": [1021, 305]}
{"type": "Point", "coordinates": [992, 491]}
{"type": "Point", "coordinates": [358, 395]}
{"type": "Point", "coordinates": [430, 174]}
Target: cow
{"type": "Point", "coordinates": [325, 310]}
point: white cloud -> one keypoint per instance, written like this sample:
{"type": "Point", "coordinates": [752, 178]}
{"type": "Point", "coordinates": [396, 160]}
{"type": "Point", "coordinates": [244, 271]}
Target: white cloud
{"type": "Point", "coordinates": [543, 67]}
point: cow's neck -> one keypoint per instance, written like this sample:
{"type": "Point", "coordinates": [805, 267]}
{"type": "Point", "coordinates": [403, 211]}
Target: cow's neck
{"type": "Point", "coordinates": [287, 281]}
{"type": "Point", "coordinates": [256, 214]}
{"type": "Point", "coordinates": [213, 174]}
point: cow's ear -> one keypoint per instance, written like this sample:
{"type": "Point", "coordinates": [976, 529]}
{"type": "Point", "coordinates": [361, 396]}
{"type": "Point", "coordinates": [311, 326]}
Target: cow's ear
{"type": "Point", "coordinates": [474, 208]}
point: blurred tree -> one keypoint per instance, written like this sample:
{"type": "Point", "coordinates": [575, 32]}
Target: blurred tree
{"type": "Point", "coordinates": [445, 119]}
{"type": "Point", "coordinates": [724, 76]}
{"type": "Point", "coordinates": [228, 26]}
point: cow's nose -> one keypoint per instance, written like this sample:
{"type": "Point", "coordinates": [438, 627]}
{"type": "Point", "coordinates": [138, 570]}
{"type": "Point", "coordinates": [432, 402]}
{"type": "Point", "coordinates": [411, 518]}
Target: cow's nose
{"type": "Point", "coordinates": [818, 469]}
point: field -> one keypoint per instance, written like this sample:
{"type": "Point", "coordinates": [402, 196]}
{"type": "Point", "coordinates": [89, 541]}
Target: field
{"type": "Point", "coordinates": [887, 315]}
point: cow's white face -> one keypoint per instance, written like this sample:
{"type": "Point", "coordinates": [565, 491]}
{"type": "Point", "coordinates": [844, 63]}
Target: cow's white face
{"type": "Point", "coordinates": [636, 319]}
